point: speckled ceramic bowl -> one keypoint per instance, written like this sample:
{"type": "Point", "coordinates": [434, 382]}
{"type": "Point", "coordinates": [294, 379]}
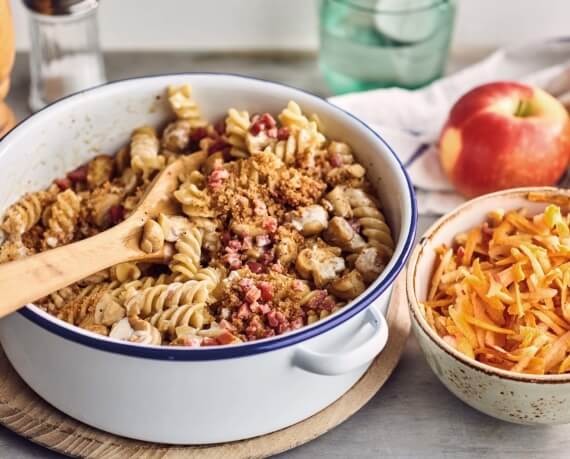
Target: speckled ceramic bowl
{"type": "Point", "coordinates": [514, 397]}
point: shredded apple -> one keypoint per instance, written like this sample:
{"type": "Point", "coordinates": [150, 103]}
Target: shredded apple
{"type": "Point", "coordinates": [500, 293]}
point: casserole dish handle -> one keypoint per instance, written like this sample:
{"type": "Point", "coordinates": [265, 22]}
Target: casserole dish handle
{"type": "Point", "coordinates": [334, 363]}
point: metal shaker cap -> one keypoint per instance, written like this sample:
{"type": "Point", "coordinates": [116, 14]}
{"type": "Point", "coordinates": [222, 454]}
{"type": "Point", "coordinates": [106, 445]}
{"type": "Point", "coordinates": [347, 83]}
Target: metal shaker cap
{"type": "Point", "coordinates": [61, 7]}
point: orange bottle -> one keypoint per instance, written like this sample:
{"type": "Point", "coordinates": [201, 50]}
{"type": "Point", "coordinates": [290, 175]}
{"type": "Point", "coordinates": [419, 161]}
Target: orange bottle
{"type": "Point", "coordinates": [7, 119]}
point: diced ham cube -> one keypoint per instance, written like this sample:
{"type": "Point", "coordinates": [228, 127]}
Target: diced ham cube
{"type": "Point", "coordinates": [116, 214]}
{"type": "Point", "coordinates": [264, 308]}
{"type": "Point", "coordinates": [261, 123]}
{"type": "Point", "coordinates": [260, 208]}
{"type": "Point", "coordinates": [298, 285]}
{"type": "Point", "coordinates": [283, 133]}
{"type": "Point", "coordinates": [207, 341]}
{"type": "Point", "coordinates": [244, 312]}
{"type": "Point", "coordinates": [277, 267]}
{"type": "Point", "coordinates": [266, 290]}
{"type": "Point", "coordinates": [234, 245]}
{"type": "Point", "coordinates": [269, 224]}
{"type": "Point", "coordinates": [226, 325]}
{"type": "Point", "coordinates": [247, 243]}
{"type": "Point", "coordinates": [268, 120]}
{"type": "Point", "coordinates": [246, 284]}
{"type": "Point", "coordinates": [460, 252]}
{"type": "Point", "coordinates": [217, 145]}
{"type": "Point", "coordinates": [191, 341]}
{"type": "Point", "coordinates": [266, 258]}
{"type": "Point", "coordinates": [198, 134]}
{"type": "Point", "coordinates": [220, 126]}
{"type": "Point", "coordinates": [272, 319]}
{"type": "Point", "coordinates": [328, 304]}
{"type": "Point", "coordinates": [226, 237]}
{"type": "Point", "coordinates": [335, 160]}
{"type": "Point", "coordinates": [225, 337]}
{"type": "Point", "coordinates": [78, 175]}
{"type": "Point", "coordinates": [63, 183]}
{"type": "Point", "coordinates": [252, 295]}
{"type": "Point", "coordinates": [233, 260]}
{"type": "Point", "coordinates": [317, 299]}
{"type": "Point", "coordinates": [255, 128]}
{"type": "Point", "coordinates": [216, 178]}
{"type": "Point", "coordinates": [255, 267]}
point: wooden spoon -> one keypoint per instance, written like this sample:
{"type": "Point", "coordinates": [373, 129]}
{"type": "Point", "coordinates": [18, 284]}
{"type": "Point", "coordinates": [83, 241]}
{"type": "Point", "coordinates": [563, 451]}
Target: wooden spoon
{"type": "Point", "coordinates": [26, 280]}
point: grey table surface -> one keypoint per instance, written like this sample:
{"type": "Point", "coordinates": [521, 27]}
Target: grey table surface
{"type": "Point", "coordinates": [413, 415]}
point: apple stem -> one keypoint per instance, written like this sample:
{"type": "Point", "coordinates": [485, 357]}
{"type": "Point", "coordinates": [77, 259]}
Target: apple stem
{"type": "Point", "coordinates": [524, 109]}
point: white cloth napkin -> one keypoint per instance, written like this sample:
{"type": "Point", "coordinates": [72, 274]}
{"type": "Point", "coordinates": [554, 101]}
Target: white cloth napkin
{"type": "Point", "coordinates": [410, 121]}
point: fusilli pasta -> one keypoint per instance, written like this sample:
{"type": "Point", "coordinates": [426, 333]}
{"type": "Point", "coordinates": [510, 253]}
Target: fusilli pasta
{"type": "Point", "coordinates": [149, 301]}
{"type": "Point", "coordinates": [169, 320]}
{"type": "Point", "coordinates": [237, 126]}
{"type": "Point", "coordinates": [145, 156]}
{"type": "Point", "coordinates": [186, 261]}
{"type": "Point", "coordinates": [374, 227]}
{"type": "Point", "coordinates": [61, 219]}
{"type": "Point", "coordinates": [24, 214]}
{"type": "Point", "coordinates": [278, 228]}
{"type": "Point", "coordinates": [185, 108]}
{"type": "Point", "coordinates": [194, 198]}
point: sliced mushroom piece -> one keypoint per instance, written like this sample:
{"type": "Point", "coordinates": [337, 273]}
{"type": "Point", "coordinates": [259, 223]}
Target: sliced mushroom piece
{"type": "Point", "coordinates": [108, 311]}
{"type": "Point", "coordinates": [327, 269]}
{"type": "Point", "coordinates": [339, 232]}
{"type": "Point", "coordinates": [102, 204]}
{"type": "Point", "coordinates": [129, 180]}
{"type": "Point", "coordinates": [121, 330]}
{"type": "Point", "coordinates": [322, 264]}
{"type": "Point", "coordinates": [257, 143]}
{"type": "Point", "coordinates": [339, 201]}
{"type": "Point", "coordinates": [348, 286]}
{"type": "Point", "coordinates": [310, 220]}
{"type": "Point", "coordinates": [123, 159]}
{"type": "Point", "coordinates": [369, 264]}
{"type": "Point", "coordinates": [173, 226]}
{"type": "Point", "coordinates": [286, 250]}
{"type": "Point", "coordinates": [99, 170]}
{"type": "Point", "coordinates": [152, 238]}
{"type": "Point", "coordinates": [342, 234]}
{"type": "Point", "coordinates": [125, 272]}
{"type": "Point", "coordinates": [176, 135]}
{"type": "Point", "coordinates": [342, 151]}
{"type": "Point", "coordinates": [304, 263]}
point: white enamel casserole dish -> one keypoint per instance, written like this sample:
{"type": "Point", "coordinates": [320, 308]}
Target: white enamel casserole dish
{"type": "Point", "coordinates": [181, 395]}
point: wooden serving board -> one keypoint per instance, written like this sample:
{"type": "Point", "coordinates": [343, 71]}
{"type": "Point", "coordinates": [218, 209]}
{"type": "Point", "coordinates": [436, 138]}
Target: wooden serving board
{"type": "Point", "coordinates": [25, 413]}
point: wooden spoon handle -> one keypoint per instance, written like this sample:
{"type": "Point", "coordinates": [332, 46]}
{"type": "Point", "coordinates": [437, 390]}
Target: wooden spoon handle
{"type": "Point", "coordinates": [34, 277]}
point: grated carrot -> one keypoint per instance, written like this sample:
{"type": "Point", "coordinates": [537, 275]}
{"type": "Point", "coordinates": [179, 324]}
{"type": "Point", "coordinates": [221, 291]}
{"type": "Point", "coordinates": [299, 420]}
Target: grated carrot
{"type": "Point", "coordinates": [504, 300]}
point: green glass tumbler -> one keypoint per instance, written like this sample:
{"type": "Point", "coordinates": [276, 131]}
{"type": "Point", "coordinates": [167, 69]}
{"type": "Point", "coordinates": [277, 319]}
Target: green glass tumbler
{"type": "Point", "coordinates": [367, 44]}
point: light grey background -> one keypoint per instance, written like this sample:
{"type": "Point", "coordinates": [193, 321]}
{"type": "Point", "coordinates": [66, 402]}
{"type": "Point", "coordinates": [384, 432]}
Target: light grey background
{"type": "Point", "coordinates": [292, 24]}
{"type": "Point", "coordinates": [413, 416]}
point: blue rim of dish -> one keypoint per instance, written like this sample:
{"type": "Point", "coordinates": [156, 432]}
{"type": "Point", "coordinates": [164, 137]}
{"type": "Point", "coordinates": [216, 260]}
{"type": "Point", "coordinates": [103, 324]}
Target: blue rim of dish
{"type": "Point", "coordinates": [247, 349]}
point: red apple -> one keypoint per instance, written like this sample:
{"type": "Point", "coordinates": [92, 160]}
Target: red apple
{"type": "Point", "coordinates": [504, 135]}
